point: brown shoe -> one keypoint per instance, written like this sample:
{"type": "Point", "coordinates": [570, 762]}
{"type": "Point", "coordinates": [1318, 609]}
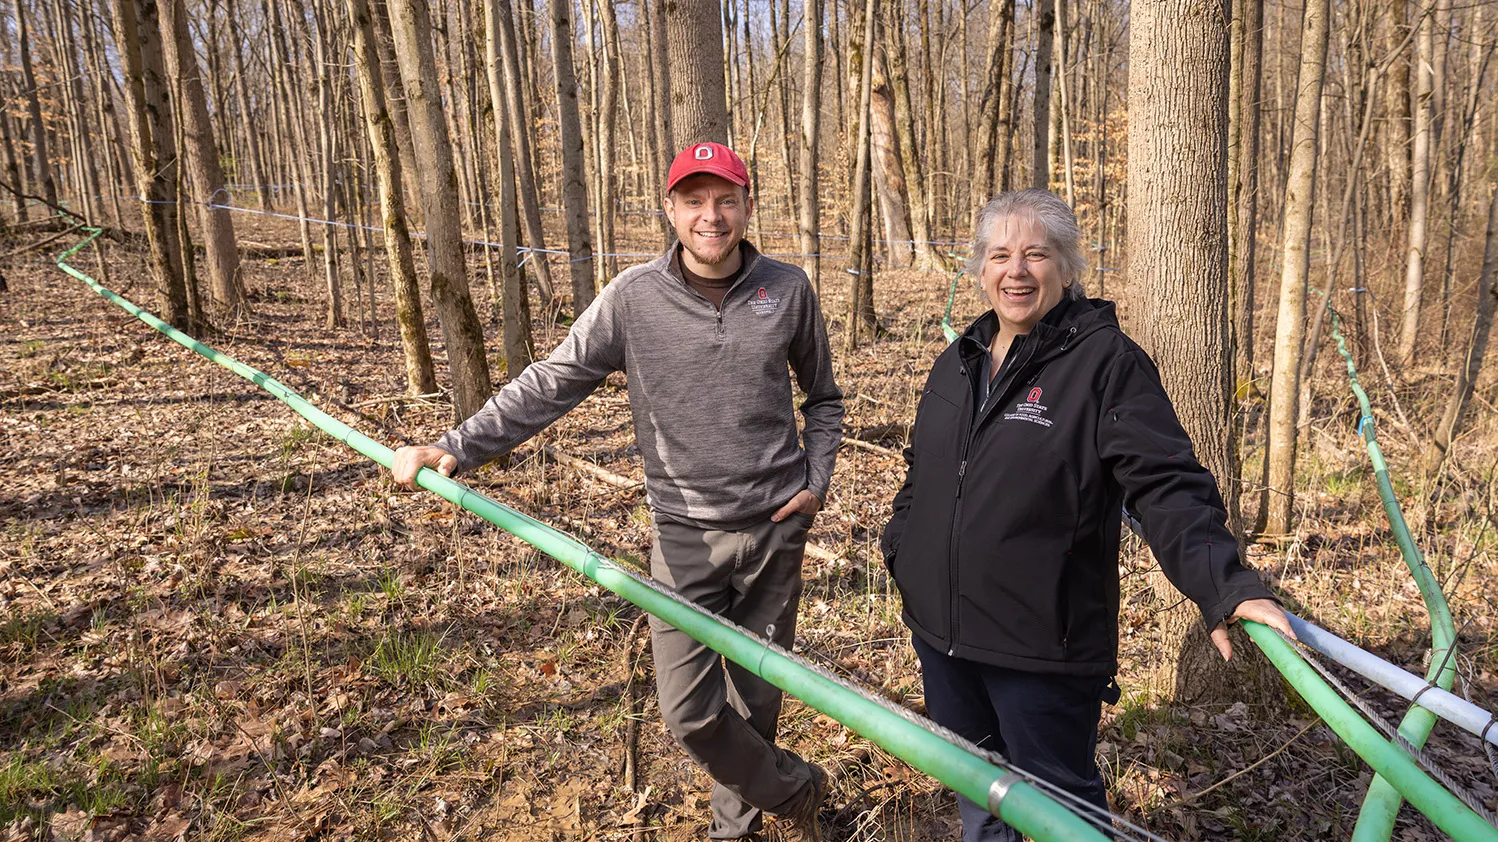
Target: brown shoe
{"type": "Point", "coordinates": [802, 824]}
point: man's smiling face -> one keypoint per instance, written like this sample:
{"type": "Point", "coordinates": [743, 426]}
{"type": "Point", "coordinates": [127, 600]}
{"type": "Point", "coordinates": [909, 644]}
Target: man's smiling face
{"type": "Point", "coordinates": [710, 215]}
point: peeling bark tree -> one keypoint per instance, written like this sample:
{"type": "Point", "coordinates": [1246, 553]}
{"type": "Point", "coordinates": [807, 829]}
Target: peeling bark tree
{"type": "Point", "coordinates": [448, 283]}
{"type": "Point", "coordinates": [889, 168]}
{"type": "Point", "coordinates": [1290, 327]}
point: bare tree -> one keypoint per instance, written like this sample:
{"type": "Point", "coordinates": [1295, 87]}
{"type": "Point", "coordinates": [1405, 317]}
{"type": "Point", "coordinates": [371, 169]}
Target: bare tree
{"type": "Point", "coordinates": [138, 41]}
{"type": "Point", "coordinates": [861, 317]}
{"type": "Point", "coordinates": [448, 280]}
{"type": "Point", "coordinates": [1452, 416]}
{"type": "Point", "coordinates": [514, 106]}
{"type": "Point", "coordinates": [203, 155]}
{"type": "Point", "coordinates": [694, 50]}
{"type": "Point", "coordinates": [574, 168]}
{"type": "Point", "coordinates": [1420, 168]}
{"type": "Point", "coordinates": [889, 168]}
{"type": "Point", "coordinates": [40, 161]}
{"type": "Point", "coordinates": [994, 126]}
{"type": "Point", "coordinates": [1178, 67]}
{"type": "Point", "coordinates": [406, 289]}
{"type": "Point", "coordinates": [1300, 203]}
{"type": "Point", "coordinates": [1045, 23]}
{"type": "Point", "coordinates": [810, 226]}
{"type": "Point", "coordinates": [1243, 177]}
{"type": "Point", "coordinates": [517, 310]}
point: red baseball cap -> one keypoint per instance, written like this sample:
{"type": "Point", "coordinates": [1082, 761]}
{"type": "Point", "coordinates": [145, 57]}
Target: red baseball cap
{"type": "Point", "coordinates": [712, 158]}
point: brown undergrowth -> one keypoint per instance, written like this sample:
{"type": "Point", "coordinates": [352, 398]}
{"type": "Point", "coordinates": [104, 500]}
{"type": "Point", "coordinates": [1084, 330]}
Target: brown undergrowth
{"type": "Point", "coordinates": [216, 623]}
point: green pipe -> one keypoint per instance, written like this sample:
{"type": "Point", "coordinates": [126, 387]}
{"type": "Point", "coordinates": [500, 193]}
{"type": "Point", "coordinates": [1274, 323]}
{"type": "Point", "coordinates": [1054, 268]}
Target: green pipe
{"type": "Point", "coordinates": [1381, 804]}
{"type": "Point", "coordinates": [946, 320]}
{"type": "Point", "coordinates": [1393, 765]}
{"type": "Point", "coordinates": [1018, 803]}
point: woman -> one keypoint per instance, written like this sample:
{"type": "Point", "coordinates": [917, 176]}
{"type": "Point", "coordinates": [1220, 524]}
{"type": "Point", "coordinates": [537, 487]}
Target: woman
{"type": "Point", "coordinates": [1034, 429]}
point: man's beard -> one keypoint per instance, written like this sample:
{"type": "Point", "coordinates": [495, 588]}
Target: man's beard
{"type": "Point", "coordinates": [716, 258]}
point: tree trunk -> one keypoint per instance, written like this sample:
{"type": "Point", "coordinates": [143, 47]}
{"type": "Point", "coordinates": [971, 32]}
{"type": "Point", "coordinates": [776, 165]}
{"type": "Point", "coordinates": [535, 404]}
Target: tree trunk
{"type": "Point", "coordinates": [1477, 345]}
{"type": "Point", "coordinates": [608, 199]}
{"type": "Point", "coordinates": [910, 150]}
{"type": "Point", "coordinates": [1178, 66]}
{"type": "Point", "coordinates": [517, 310]}
{"type": "Point", "coordinates": [889, 170]}
{"type": "Point", "coordinates": [574, 168]}
{"type": "Point", "coordinates": [247, 119]}
{"type": "Point", "coordinates": [405, 288]}
{"type": "Point", "coordinates": [810, 225]}
{"type": "Point", "coordinates": [694, 49]}
{"type": "Point", "coordinates": [283, 66]}
{"type": "Point", "coordinates": [1289, 333]}
{"type": "Point", "coordinates": [780, 36]}
{"type": "Point", "coordinates": [994, 126]}
{"type": "Point", "coordinates": [1243, 183]}
{"type": "Point", "coordinates": [462, 333]}
{"type": "Point", "coordinates": [861, 316]}
{"type": "Point", "coordinates": [40, 160]}
{"type": "Point", "coordinates": [12, 167]}
{"type": "Point", "coordinates": [1397, 111]}
{"type": "Point", "coordinates": [1045, 12]}
{"type": "Point", "coordinates": [1420, 163]}
{"type": "Point", "coordinates": [513, 104]}
{"type": "Point", "coordinates": [138, 41]}
{"type": "Point", "coordinates": [203, 155]}
{"type": "Point", "coordinates": [400, 118]}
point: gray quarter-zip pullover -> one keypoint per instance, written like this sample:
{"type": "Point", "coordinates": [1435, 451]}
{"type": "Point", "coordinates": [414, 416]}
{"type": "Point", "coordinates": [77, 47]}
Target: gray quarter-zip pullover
{"type": "Point", "coordinates": [709, 389]}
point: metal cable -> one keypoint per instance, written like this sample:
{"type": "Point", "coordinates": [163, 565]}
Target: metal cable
{"type": "Point", "coordinates": [1378, 721]}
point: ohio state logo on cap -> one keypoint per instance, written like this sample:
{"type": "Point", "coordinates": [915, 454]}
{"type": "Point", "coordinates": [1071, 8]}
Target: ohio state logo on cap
{"type": "Point", "coordinates": [712, 158]}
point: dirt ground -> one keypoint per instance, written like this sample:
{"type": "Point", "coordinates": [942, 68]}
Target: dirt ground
{"type": "Point", "coordinates": [216, 623]}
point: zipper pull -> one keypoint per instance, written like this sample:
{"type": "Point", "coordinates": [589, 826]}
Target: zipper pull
{"type": "Point", "coordinates": [1070, 335]}
{"type": "Point", "coordinates": [961, 472]}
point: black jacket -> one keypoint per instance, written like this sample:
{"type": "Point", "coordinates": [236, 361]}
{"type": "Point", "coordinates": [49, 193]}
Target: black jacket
{"type": "Point", "coordinates": [1004, 539]}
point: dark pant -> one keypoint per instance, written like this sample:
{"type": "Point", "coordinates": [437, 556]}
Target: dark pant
{"type": "Point", "coordinates": [1043, 724]}
{"type": "Point", "coordinates": [722, 715]}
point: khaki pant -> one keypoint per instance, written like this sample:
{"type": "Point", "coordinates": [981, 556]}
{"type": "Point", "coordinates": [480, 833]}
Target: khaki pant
{"type": "Point", "coordinates": [722, 715]}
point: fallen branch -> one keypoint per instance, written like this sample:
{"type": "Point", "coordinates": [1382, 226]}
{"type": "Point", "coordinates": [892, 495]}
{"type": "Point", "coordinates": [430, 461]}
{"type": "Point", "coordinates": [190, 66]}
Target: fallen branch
{"type": "Point", "coordinates": [872, 448]}
{"type": "Point", "coordinates": [36, 245]}
{"type": "Point", "coordinates": [601, 474]}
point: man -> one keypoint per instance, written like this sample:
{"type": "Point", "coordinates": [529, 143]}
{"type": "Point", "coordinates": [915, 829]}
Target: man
{"type": "Point", "coordinates": [705, 333]}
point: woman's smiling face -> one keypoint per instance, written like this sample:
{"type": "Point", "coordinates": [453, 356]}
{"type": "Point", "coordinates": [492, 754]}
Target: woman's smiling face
{"type": "Point", "coordinates": [1020, 275]}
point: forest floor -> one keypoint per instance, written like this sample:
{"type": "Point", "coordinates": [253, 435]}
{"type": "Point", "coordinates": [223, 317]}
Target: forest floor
{"type": "Point", "coordinates": [216, 623]}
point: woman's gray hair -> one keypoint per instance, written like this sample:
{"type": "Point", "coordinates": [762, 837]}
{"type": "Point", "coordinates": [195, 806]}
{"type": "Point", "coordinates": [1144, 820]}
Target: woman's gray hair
{"type": "Point", "coordinates": [1055, 218]}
